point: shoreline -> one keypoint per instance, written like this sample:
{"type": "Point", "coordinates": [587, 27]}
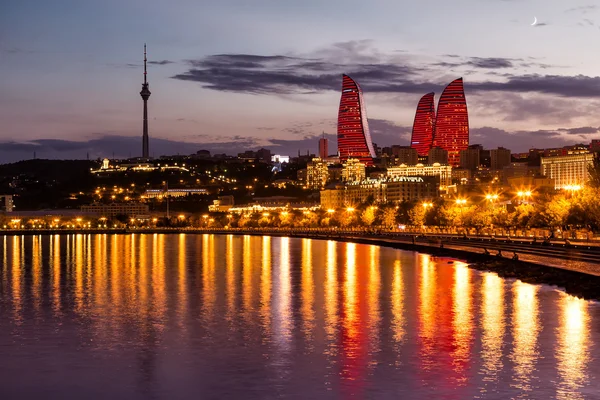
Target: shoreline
{"type": "Point", "coordinates": [576, 283]}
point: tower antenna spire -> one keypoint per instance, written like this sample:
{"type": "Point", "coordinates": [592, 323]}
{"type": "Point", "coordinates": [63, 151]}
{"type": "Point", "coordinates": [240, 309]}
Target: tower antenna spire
{"type": "Point", "coordinates": [145, 59]}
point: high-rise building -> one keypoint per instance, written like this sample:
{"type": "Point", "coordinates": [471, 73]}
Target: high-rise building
{"type": "Point", "coordinates": [470, 158]}
{"type": "Point", "coordinates": [424, 124]}
{"type": "Point", "coordinates": [353, 170]}
{"type": "Point", "coordinates": [567, 171]}
{"type": "Point", "coordinates": [145, 93]}
{"type": "Point", "coordinates": [437, 155]}
{"type": "Point", "coordinates": [354, 138]}
{"type": "Point", "coordinates": [499, 158]}
{"type": "Point", "coordinates": [405, 155]}
{"type": "Point", "coordinates": [323, 147]}
{"type": "Point", "coordinates": [316, 173]}
{"type": "Point", "coordinates": [452, 122]}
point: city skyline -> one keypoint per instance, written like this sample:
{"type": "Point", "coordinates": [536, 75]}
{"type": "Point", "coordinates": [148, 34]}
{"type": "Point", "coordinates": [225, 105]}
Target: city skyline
{"type": "Point", "coordinates": [283, 89]}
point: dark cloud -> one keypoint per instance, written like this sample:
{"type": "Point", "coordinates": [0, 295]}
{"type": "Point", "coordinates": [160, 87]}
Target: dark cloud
{"type": "Point", "coordinates": [583, 9]}
{"type": "Point", "coordinates": [585, 130]}
{"type": "Point", "coordinates": [376, 73]}
{"type": "Point", "coordinates": [161, 62]}
{"type": "Point", "coordinates": [492, 62]}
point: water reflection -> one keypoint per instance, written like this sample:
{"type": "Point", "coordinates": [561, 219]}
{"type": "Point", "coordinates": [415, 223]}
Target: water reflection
{"type": "Point", "coordinates": [493, 324]}
{"type": "Point", "coordinates": [525, 335]}
{"type": "Point", "coordinates": [227, 316]}
{"type": "Point", "coordinates": [572, 353]}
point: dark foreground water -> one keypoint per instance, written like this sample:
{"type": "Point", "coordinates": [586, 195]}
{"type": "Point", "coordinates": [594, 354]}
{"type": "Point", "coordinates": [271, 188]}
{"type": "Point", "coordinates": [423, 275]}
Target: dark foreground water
{"type": "Point", "coordinates": [225, 317]}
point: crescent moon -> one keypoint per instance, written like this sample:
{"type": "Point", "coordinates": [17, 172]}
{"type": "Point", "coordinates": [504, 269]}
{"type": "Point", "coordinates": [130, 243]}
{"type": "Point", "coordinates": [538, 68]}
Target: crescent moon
{"type": "Point", "coordinates": [534, 21]}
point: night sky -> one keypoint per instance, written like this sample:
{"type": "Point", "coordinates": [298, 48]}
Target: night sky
{"type": "Point", "coordinates": [232, 75]}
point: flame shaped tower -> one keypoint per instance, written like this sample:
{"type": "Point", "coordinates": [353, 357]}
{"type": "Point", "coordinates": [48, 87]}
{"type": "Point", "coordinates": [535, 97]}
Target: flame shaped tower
{"type": "Point", "coordinates": [424, 125]}
{"type": "Point", "coordinates": [354, 138]}
{"type": "Point", "coordinates": [452, 122]}
{"type": "Point", "coordinates": [145, 93]}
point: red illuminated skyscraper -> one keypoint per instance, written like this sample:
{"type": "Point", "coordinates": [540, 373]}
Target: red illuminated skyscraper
{"type": "Point", "coordinates": [354, 139]}
{"type": "Point", "coordinates": [452, 122]}
{"type": "Point", "coordinates": [424, 125]}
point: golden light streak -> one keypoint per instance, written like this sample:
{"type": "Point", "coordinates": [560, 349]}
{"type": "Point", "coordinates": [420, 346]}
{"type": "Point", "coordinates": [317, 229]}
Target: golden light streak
{"type": "Point", "coordinates": [230, 277]}
{"type": "Point", "coordinates": [36, 271]}
{"type": "Point", "coordinates": [398, 321]}
{"type": "Point", "coordinates": [79, 290]}
{"type": "Point", "coordinates": [493, 324]}
{"type": "Point", "coordinates": [182, 293]}
{"type": "Point", "coordinates": [247, 281]}
{"type": "Point", "coordinates": [17, 275]}
{"type": "Point", "coordinates": [55, 270]}
{"type": "Point", "coordinates": [525, 333]}
{"type": "Point", "coordinates": [331, 293]}
{"type": "Point", "coordinates": [208, 284]}
{"type": "Point", "coordinates": [307, 293]}
{"type": "Point", "coordinates": [462, 320]}
{"type": "Point", "coordinates": [573, 347]}
{"type": "Point", "coordinates": [265, 285]}
{"type": "Point", "coordinates": [373, 291]}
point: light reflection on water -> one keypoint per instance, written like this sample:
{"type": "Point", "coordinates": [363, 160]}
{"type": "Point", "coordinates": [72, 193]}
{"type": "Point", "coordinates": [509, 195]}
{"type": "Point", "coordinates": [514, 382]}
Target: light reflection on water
{"type": "Point", "coordinates": [166, 316]}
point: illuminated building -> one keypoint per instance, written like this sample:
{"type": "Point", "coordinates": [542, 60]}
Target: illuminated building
{"type": "Point", "coordinates": [6, 203]}
{"type": "Point", "coordinates": [354, 138]}
{"type": "Point", "coordinates": [358, 192]}
{"type": "Point", "coordinates": [423, 126]}
{"type": "Point", "coordinates": [222, 204]}
{"type": "Point", "coordinates": [280, 159]}
{"type": "Point", "coordinates": [158, 193]}
{"type": "Point", "coordinates": [333, 198]}
{"type": "Point", "coordinates": [567, 171]}
{"type": "Point", "coordinates": [452, 122]}
{"type": "Point", "coordinates": [111, 210]}
{"type": "Point", "coordinates": [396, 190]}
{"type": "Point", "coordinates": [412, 188]}
{"type": "Point", "coordinates": [317, 174]}
{"type": "Point", "coordinates": [353, 171]}
{"type": "Point", "coordinates": [443, 171]}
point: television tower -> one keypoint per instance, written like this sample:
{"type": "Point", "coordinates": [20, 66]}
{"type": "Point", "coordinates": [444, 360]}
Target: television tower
{"type": "Point", "coordinates": [145, 93]}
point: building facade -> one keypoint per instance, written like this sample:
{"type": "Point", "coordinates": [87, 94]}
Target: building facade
{"type": "Point", "coordinates": [412, 188]}
{"type": "Point", "coordinates": [423, 126]}
{"type": "Point", "coordinates": [6, 203]}
{"type": "Point", "coordinates": [437, 155]}
{"type": "Point", "coordinates": [443, 171]}
{"type": "Point", "coordinates": [567, 171]}
{"type": "Point", "coordinates": [452, 122]}
{"type": "Point", "coordinates": [499, 158]}
{"type": "Point", "coordinates": [470, 158]}
{"type": "Point", "coordinates": [317, 174]}
{"type": "Point", "coordinates": [354, 138]}
{"type": "Point", "coordinates": [323, 148]}
{"type": "Point", "coordinates": [405, 155]}
{"type": "Point", "coordinates": [111, 210]}
{"type": "Point", "coordinates": [353, 171]}
{"type": "Point", "coordinates": [157, 193]}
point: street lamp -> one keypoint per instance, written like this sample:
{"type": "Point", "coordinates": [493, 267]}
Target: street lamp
{"type": "Point", "coordinates": [330, 211]}
{"type": "Point", "coordinates": [350, 209]}
{"type": "Point", "coordinates": [427, 205]}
